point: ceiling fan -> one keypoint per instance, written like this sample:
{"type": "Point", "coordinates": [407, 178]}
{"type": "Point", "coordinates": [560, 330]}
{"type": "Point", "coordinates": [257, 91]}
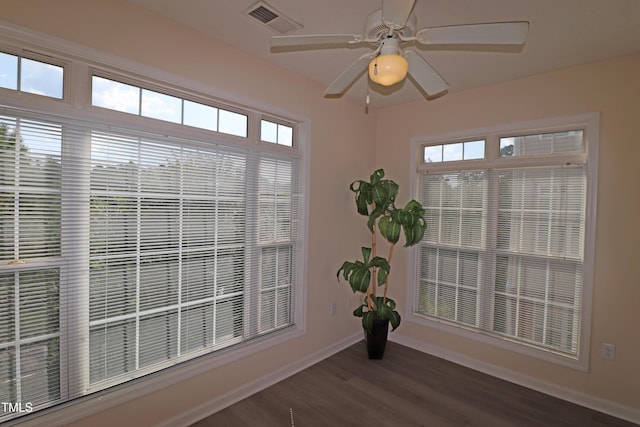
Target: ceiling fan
{"type": "Point", "coordinates": [391, 32]}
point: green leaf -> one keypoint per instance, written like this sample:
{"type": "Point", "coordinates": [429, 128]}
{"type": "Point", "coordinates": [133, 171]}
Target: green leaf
{"type": "Point", "coordinates": [383, 269]}
{"type": "Point", "coordinates": [346, 268]}
{"type": "Point", "coordinates": [363, 196]}
{"type": "Point", "coordinates": [357, 273]}
{"type": "Point", "coordinates": [360, 280]}
{"type": "Point", "coordinates": [414, 229]}
{"type": "Point", "coordinates": [376, 213]}
{"type": "Point", "coordinates": [367, 321]}
{"type": "Point", "coordinates": [392, 189]}
{"type": "Point", "coordinates": [377, 176]}
{"type": "Point", "coordinates": [391, 304]}
{"type": "Point", "coordinates": [359, 312]}
{"type": "Point", "coordinates": [389, 229]}
{"type": "Point", "coordinates": [366, 253]}
{"type": "Point", "coordinates": [380, 195]}
{"type": "Point", "coordinates": [382, 276]}
{"type": "Point", "coordinates": [394, 319]}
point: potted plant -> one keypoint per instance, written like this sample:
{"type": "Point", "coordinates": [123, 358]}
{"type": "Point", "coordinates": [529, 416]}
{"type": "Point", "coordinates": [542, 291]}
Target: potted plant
{"type": "Point", "coordinates": [375, 199]}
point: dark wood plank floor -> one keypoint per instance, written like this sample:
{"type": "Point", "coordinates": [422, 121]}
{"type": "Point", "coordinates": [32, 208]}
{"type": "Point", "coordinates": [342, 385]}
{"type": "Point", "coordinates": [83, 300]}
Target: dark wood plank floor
{"type": "Point", "coordinates": [406, 388]}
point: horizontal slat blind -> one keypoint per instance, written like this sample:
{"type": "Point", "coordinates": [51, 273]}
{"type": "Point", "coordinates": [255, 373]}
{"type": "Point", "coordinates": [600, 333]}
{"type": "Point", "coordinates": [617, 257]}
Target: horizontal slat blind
{"type": "Point", "coordinates": [449, 279]}
{"type": "Point", "coordinates": [276, 235]}
{"type": "Point", "coordinates": [30, 174]}
{"type": "Point", "coordinates": [538, 255]}
{"type": "Point", "coordinates": [30, 224]}
{"type": "Point", "coordinates": [503, 253]}
{"type": "Point", "coordinates": [30, 336]}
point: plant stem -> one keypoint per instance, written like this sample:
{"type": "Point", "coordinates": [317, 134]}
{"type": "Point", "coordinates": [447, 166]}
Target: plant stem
{"type": "Point", "coordinates": [386, 282]}
{"type": "Point", "coordinates": [372, 284]}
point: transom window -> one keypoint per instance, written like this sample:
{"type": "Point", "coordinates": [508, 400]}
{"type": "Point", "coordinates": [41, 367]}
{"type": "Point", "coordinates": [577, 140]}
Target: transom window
{"type": "Point", "coordinates": [505, 253]}
{"type": "Point", "coordinates": [31, 76]}
{"type": "Point", "coordinates": [453, 151]}
{"type": "Point", "coordinates": [542, 144]}
{"type": "Point", "coordinates": [276, 133]}
{"type": "Point", "coordinates": [127, 98]}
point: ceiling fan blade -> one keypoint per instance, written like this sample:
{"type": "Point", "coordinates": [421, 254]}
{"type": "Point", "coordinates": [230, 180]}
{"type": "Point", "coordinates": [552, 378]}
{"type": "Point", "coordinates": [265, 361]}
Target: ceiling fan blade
{"type": "Point", "coordinates": [498, 33]}
{"type": "Point", "coordinates": [424, 74]}
{"type": "Point", "coordinates": [396, 12]}
{"type": "Point", "coordinates": [348, 76]}
{"type": "Point", "coordinates": [313, 40]}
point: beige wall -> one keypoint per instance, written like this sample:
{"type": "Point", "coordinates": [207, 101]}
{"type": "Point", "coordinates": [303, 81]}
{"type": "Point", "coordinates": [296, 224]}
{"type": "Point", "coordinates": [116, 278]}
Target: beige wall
{"type": "Point", "coordinates": [613, 89]}
{"type": "Point", "coordinates": [341, 137]}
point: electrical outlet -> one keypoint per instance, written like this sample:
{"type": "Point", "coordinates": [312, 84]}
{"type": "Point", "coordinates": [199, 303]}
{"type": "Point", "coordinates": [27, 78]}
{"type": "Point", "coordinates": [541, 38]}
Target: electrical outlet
{"type": "Point", "coordinates": [608, 351]}
{"type": "Point", "coordinates": [334, 308]}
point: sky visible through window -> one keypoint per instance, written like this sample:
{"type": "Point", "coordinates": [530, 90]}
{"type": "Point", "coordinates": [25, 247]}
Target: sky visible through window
{"type": "Point", "coordinates": [31, 76]}
{"type": "Point", "coordinates": [132, 99]}
{"type": "Point", "coordinates": [276, 133]}
{"type": "Point", "coordinates": [469, 150]}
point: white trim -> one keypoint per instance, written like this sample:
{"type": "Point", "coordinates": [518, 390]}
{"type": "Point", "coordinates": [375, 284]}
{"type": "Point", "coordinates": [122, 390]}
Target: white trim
{"type": "Point", "coordinates": [66, 413]}
{"type": "Point", "coordinates": [597, 404]}
{"type": "Point", "coordinates": [218, 403]}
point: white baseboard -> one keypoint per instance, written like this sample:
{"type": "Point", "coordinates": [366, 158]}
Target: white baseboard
{"type": "Point", "coordinates": [214, 405]}
{"type": "Point", "coordinates": [591, 402]}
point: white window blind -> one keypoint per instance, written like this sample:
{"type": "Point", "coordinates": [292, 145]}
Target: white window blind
{"type": "Point", "coordinates": [30, 220]}
{"type": "Point", "coordinates": [504, 250]}
{"type": "Point", "coordinates": [123, 253]}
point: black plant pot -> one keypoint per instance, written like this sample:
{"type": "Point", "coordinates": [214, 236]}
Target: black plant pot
{"type": "Point", "coordinates": [377, 339]}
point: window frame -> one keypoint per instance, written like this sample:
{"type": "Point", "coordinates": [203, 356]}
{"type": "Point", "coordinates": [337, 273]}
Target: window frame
{"type": "Point", "coordinates": [76, 105]}
{"type": "Point", "coordinates": [280, 122]}
{"type": "Point", "coordinates": [144, 84]}
{"type": "Point", "coordinates": [44, 58]}
{"type": "Point", "coordinates": [589, 123]}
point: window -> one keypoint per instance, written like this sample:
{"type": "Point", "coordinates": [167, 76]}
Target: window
{"type": "Point", "coordinates": [505, 252]}
{"type": "Point", "coordinates": [124, 252]}
{"type": "Point", "coordinates": [276, 133]}
{"type": "Point", "coordinates": [453, 151]}
{"type": "Point", "coordinates": [31, 76]}
{"type": "Point", "coordinates": [114, 95]}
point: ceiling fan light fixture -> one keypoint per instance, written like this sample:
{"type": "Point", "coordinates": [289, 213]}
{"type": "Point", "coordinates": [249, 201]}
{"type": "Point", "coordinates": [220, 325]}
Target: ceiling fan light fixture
{"type": "Point", "coordinates": [387, 70]}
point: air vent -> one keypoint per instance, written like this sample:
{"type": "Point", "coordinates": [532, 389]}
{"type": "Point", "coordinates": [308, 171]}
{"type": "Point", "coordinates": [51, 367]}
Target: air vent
{"type": "Point", "coordinates": [269, 16]}
{"type": "Point", "coordinates": [263, 14]}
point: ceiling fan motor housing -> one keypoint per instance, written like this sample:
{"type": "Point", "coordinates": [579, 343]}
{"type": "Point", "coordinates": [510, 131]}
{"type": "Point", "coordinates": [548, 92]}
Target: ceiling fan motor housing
{"type": "Point", "coordinates": [375, 29]}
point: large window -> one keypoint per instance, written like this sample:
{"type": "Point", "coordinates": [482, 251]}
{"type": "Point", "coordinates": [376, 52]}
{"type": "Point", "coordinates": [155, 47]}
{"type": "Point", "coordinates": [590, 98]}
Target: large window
{"type": "Point", "coordinates": [505, 253]}
{"type": "Point", "coordinates": [125, 251]}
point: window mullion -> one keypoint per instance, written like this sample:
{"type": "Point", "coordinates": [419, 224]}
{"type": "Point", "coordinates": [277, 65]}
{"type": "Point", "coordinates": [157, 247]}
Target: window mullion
{"type": "Point", "coordinates": [17, 339]}
{"type": "Point", "coordinates": [253, 250]}
{"type": "Point", "coordinates": [138, 249]}
{"type": "Point", "coordinates": [486, 287]}
{"type": "Point", "coordinates": [74, 292]}
{"type": "Point", "coordinates": [216, 233]}
{"type": "Point", "coordinates": [180, 253]}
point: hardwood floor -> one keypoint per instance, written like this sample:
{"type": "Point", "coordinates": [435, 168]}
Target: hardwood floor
{"type": "Point", "coordinates": [406, 388]}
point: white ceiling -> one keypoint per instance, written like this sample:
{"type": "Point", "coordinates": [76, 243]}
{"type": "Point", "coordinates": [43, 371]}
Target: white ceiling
{"type": "Point", "coordinates": [562, 33]}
